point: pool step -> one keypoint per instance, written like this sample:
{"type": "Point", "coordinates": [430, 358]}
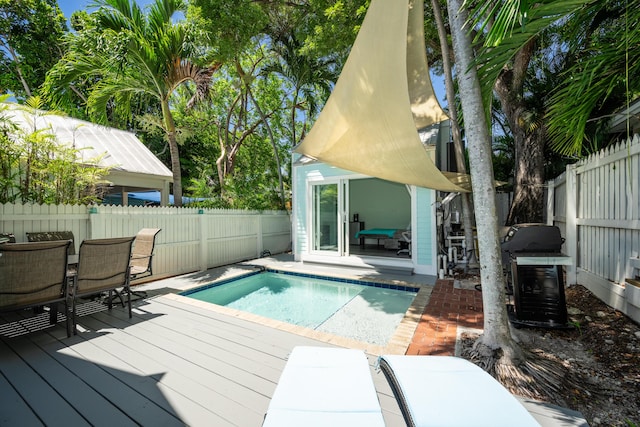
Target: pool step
{"type": "Point", "coordinates": [386, 269]}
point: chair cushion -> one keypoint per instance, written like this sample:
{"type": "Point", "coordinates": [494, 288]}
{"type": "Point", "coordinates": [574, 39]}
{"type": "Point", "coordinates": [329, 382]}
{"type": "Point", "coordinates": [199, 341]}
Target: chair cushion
{"type": "Point", "coordinates": [325, 387]}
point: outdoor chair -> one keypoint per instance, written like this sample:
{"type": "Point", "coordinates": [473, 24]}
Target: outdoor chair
{"type": "Point", "coordinates": [51, 236]}
{"type": "Point", "coordinates": [103, 266]}
{"type": "Point", "coordinates": [405, 243]}
{"type": "Point", "coordinates": [7, 238]}
{"type": "Point", "coordinates": [33, 275]}
{"type": "Point", "coordinates": [142, 255]}
{"type": "Point", "coordinates": [48, 236]}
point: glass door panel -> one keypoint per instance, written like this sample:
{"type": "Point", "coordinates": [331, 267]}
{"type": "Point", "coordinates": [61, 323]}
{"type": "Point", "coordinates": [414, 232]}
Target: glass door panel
{"type": "Point", "coordinates": [326, 220]}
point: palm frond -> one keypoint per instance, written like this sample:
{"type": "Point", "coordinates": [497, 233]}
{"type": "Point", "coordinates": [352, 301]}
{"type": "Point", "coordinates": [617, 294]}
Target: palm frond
{"type": "Point", "coordinates": [492, 59]}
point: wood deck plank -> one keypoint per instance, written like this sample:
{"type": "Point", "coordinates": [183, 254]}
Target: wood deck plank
{"type": "Point", "coordinates": [209, 354]}
{"type": "Point", "coordinates": [172, 364]}
{"type": "Point", "coordinates": [53, 369]}
{"type": "Point", "coordinates": [14, 410]}
{"type": "Point", "coordinates": [123, 386]}
{"type": "Point", "coordinates": [45, 402]}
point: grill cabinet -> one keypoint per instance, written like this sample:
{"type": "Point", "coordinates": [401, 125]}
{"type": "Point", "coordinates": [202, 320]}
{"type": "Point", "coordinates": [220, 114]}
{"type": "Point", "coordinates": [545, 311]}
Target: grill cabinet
{"type": "Point", "coordinates": [532, 253]}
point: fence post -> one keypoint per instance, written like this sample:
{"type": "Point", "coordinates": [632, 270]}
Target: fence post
{"type": "Point", "coordinates": [571, 214]}
{"type": "Point", "coordinates": [259, 239]}
{"type": "Point", "coordinates": [93, 222]}
{"type": "Point", "coordinates": [551, 200]}
{"type": "Point", "coordinates": [204, 235]}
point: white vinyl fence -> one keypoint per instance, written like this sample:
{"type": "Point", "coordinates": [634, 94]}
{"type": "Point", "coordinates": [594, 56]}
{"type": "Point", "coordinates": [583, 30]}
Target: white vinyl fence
{"type": "Point", "coordinates": [191, 239]}
{"type": "Point", "coordinates": [596, 204]}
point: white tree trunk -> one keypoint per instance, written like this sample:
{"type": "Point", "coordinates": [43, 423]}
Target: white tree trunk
{"type": "Point", "coordinates": [496, 323]}
{"type": "Point", "coordinates": [467, 212]}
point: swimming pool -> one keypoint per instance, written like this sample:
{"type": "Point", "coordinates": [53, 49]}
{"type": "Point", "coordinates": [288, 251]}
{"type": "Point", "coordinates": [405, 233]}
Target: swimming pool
{"type": "Point", "coordinates": [361, 310]}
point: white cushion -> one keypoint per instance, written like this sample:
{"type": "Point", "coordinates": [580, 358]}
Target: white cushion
{"type": "Point", "coordinates": [323, 386]}
{"type": "Point", "coordinates": [450, 391]}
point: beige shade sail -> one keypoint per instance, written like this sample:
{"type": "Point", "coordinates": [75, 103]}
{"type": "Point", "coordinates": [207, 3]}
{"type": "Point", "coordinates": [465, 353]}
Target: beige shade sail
{"type": "Point", "coordinates": [383, 96]}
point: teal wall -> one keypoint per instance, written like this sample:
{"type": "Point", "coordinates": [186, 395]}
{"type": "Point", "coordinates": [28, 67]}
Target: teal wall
{"type": "Point", "coordinates": [380, 204]}
{"type": "Point", "coordinates": [423, 237]}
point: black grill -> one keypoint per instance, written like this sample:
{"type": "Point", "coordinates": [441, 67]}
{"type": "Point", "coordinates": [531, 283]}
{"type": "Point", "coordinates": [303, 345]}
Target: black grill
{"type": "Point", "coordinates": [532, 255]}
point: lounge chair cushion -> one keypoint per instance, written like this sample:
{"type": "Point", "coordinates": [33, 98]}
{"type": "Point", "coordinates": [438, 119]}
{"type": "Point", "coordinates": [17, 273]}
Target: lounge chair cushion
{"type": "Point", "coordinates": [325, 387]}
{"type": "Point", "coordinates": [451, 391]}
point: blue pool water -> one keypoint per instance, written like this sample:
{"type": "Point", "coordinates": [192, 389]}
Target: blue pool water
{"type": "Point", "coordinates": [365, 311]}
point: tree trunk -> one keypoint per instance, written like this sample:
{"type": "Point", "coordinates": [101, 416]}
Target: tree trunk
{"type": "Point", "coordinates": [528, 199]}
{"type": "Point", "coordinates": [528, 140]}
{"type": "Point", "coordinates": [467, 212]}
{"type": "Point", "coordinates": [496, 334]}
{"type": "Point", "coordinates": [271, 138]}
{"type": "Point", "coordinates": [170, 129]}
{"type": "Point", "coordinates": [18, 66]}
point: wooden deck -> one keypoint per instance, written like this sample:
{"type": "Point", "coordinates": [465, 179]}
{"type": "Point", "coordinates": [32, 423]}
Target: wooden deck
{"type": "Point", "coordinates": [172, 364]}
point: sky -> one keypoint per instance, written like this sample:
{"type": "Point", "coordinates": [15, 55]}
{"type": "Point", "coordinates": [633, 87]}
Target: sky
{"type": "Point", "coordinates": [70, 6]}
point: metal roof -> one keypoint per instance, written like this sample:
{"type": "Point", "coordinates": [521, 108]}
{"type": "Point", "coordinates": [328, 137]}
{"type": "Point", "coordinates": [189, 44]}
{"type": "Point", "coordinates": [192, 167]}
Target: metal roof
{"type": "Point", "coordinates": [122, 150]}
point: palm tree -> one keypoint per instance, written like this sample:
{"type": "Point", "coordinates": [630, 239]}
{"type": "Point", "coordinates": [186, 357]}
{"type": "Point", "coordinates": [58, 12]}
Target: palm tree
{"type": "Point", "coordinates": [601, 64]}
{"type": "Point", "coordinates": [311, 78]}
{"type": "Point", "coordinates": [137, 56]}
{"type": "Point", "coordinates": [507, 73]}
{"type": "Point", "coordinates": [496, 324]}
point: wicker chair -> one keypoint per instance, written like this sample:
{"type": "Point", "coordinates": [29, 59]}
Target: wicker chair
{"type": "Point", "coordinates": [103, 266]}
{"type": "Point", "coordinates": [33, 275]}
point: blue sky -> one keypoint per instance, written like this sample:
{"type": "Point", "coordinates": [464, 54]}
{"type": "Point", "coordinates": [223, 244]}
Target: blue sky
{"type": "Point", "coordinates": [70, 6]}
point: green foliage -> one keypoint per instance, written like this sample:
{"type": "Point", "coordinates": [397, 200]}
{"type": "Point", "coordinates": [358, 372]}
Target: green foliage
{"type": "Point", "coordinates": [129, 56]}
{"type": "Point", "coordinates": [232, 160]}
{"type": "Point", "coordinates": [602, 76]}
{"type": "Point", "coordinates": [36, 168]}
{"type": "Point", "coordinates": [30, 44]}
{"type": "Point", "coordinates": [226, 27]}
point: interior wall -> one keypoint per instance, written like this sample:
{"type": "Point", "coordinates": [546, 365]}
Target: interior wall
{"type": "Point", "coordinates": [379, 203]}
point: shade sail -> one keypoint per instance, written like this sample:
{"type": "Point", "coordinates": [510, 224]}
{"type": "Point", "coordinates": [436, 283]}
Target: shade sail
{"type": "Point", "coordinates": [383, 96]}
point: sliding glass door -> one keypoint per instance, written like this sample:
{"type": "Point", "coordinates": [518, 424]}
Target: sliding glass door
{"type": "Point", "coordinates": [328, 212]}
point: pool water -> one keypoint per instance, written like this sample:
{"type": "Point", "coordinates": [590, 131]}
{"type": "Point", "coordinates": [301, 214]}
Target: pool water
{"type": "Point", "coordinates": [365, 311]}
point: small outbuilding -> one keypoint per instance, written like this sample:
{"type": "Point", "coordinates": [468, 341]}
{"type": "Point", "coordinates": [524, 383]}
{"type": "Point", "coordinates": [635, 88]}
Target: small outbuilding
{"type": "Point", "coordinates": [133, 167]}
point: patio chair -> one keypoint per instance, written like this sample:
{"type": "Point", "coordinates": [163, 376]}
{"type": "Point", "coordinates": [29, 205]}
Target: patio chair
{"type": "Point", "coordinates": [405, 243]}
{"type": "Point", "coordinates": [103, 266]}
{"type": "Point", "coordinates": [52, 236]}
{"type": "Point", "coordinates": [323, 386]}
{"type": "Point", "coordinates": [49, 236]}
{"type": "Point", "coordinates": [142, 256]}
{"type": "Point", "coordinates": [7, 238]}
{"type": "Point", "coordinates": [33, 275]}
{"type": "Point", "coordinates": [431, 389]}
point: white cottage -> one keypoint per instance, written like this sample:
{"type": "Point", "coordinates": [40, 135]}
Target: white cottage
{"type": "Point", "coordinates": [366, 180]}
{"type": "Point", "coordinates": [133, 167]}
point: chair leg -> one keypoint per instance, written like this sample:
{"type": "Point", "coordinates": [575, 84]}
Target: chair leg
{"type": "Point", "coordinates": [67, 315]}
{"type": "Point", "coordinates": [73, 315]}
{"type": "Point", "coordinates": [129, 299]}
{"type": "Point", "coordinates": [53, 313]}
{"type": "Point", "coordinates": [111, 297]}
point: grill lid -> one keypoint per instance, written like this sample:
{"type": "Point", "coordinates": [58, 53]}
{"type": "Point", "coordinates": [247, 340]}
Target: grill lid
{"type": "Point", "coordinates": [533, 238]}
